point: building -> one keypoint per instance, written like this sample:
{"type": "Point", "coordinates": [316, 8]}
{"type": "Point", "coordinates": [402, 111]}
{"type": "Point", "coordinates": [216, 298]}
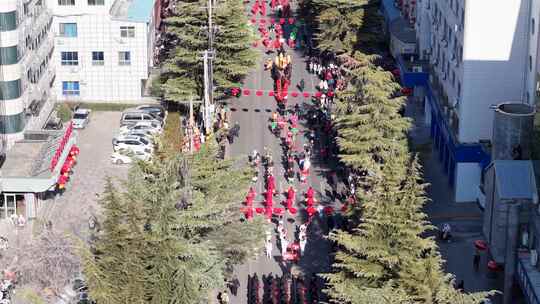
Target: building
{"type": "Point", "coordinates": [35, 168]}
{"type": "Point", "coordinates": [104, 54]}
{"type": "Point", "coordinates": [469, 56]}
{"type": "Point", "coordinates": [26, 72]}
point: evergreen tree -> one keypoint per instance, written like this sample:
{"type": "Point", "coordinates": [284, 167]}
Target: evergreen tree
{"type": "Point", "coordinates": [235, 55]}
{"type": "Point", "coordinates": [183, 70]}
{"type": "Point", "coordinates": [183, 75]}
{"type": "Point", "coordinates": [386, 256]}
{"type": "Point", "coordinates": [174, 233]}
{"type": "Point", "coordinates": [370, 129]}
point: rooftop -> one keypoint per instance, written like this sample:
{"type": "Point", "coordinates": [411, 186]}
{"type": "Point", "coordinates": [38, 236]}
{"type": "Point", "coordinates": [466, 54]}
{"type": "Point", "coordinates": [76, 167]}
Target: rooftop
{"type": "Point", "coordinates": [133, 10]}
{"type": "Point", "coordinates": [30, 157]}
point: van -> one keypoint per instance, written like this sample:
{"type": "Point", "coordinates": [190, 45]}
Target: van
{"type": "Point", "coordinates": [131, 117]}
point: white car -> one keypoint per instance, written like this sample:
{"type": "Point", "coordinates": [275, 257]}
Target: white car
{"type": "Point", "coordinates": [81, 118]}
{"type": "Point", "coordinates": [126, 156]}
{"type": "Point", "coordinates": [132, 143]}
{"type": "Point", "coordinates": [146, 126]}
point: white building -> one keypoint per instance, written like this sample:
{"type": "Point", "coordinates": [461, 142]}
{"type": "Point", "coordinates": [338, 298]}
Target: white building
{"type": "Point", "coordinates": [26, 47]}
{"type": "Point", "coordinates": [103, 49]}
{"type": "Point", "coordinates": [480, 53]}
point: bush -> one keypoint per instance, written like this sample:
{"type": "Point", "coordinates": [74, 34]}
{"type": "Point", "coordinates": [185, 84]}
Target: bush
{"type": "Point", "coordinates": [64, 112]}
{"type": "Point", "coordinates": [172, 134]}
{"type": "Point", "coordinates": [102, 107]}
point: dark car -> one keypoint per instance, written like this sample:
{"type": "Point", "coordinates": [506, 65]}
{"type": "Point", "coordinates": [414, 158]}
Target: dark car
{"type": "Point", "coordinates": [154, 109]}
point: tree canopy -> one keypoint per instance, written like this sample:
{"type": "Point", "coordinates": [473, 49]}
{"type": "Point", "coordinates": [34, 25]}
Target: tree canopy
{"type": "Point", "coordinates": [172, 232]}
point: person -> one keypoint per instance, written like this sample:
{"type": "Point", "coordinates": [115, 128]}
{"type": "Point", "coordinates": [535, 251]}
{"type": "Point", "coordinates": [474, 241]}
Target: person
{"type": "Point", "coordinates": [268, 249]}
{"type": "Point", "coordinates": [223, 297]}
{"type": "Point", "coordinates": [476, 259]}
{"type": "Point", "coordinates": [301, 85]}
{"type": "Point", "coordinates": [284, 245]}
{"type": "Point", "coordinates": [303, 241]}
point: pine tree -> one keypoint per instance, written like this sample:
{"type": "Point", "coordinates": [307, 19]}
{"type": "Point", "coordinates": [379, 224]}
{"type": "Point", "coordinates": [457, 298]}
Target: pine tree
{"type": "Point", "coordinates": [235, 55]}
{"type": "Point", "coordinates": [183, 70]}
{"type": "Point", "coordinates": [116, 273]}
{"type": "Point", "coordinates": [387, 255]}
{"type": "Point", "coordinates": [370, 129]}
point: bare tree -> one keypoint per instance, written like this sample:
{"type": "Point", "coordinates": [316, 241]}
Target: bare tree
{"type": "Point", "coordinates": [49, 261]}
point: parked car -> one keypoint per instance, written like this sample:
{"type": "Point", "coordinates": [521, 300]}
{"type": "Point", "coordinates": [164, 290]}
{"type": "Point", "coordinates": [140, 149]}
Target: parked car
{"type": "Point", "coordinates": [81, 118]}
{"type": "Point", "coordinates": [143, 133]}
{"type": "Point", "coordinates": [126, 156]}
{"type": "Point", "coordinates": [132, 143]}
{"type": "Point", "coordinates": [133, 116]}
{"type": "Point", "coordinates": [155, 109]}
{"type": "Point", "coordinates": [149, 126]}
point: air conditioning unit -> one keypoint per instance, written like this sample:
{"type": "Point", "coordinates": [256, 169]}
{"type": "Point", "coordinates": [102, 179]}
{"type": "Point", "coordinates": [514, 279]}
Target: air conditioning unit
{"type": "Point", "coordinates": [534, 257]}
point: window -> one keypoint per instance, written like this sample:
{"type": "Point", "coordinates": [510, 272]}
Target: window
{"type": "Point", "coordinates": [459, 89]}
{"type": "Point", "coordinates": [98, 58]}
{"type": "Point", "coordinates": [127, 31]}
{"type": "Point", "coordinates": [66, 2]}
{"type": "Point", "coordinates": [124, 58]}
{"type": "Point", "coordinates": [530, 63]}
{"type": "Point", "coordinates": [96, 2]}
{"type": "Point", "coordinates": [70, 88]}
{"type": "Point", "coordinates": [532, 26]}
{"type": "Point", "coordinates": [68, 29]}
{"type": "Point", "coordinates": [70, 58]}
{"type": "Point", "coordinates": [8, 21]}
{"type": "Point", "coordinates": [9, 55]}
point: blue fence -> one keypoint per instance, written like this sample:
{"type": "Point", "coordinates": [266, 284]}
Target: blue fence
{"type": "Point", "coordinates": [529, 291]}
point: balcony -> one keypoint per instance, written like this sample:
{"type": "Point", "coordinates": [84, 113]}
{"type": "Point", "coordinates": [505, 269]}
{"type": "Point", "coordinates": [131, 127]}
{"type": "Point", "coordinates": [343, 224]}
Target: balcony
{"type": "Point", "coordinates": [413, 71]}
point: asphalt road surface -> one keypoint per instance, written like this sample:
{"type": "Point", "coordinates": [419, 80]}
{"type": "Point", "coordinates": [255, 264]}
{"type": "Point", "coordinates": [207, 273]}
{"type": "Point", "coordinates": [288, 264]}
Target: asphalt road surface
{"type": "Point", "coordinates": [253, 112]}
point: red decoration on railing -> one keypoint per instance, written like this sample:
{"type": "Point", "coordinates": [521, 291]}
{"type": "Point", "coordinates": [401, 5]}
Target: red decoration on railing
{"type": "Point", "coordinates": [259, 93]}
{"type": "Point", "coordinates": [62, 145]}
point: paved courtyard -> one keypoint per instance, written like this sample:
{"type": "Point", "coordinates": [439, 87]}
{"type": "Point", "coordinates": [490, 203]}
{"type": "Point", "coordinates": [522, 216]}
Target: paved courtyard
{"type": "Point", "coordinates": [88, 179]}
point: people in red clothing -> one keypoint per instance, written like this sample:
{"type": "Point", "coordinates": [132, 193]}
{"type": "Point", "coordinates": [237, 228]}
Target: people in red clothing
{"type": "Point", "coordinates": [291, 193]}
{"type": "Point", "coordinates": [310, 192]}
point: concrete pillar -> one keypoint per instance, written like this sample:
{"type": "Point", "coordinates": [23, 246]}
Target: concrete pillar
{"type": "Point", "coordinates": [511, 250]}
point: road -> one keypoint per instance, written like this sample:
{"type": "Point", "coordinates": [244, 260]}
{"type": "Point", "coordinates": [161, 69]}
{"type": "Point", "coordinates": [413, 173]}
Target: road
{"type": "Point", "coordinates": [253, 112]}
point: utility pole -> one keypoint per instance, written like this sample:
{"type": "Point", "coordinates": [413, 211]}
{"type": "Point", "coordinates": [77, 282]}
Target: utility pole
{"type": "Point", "coordinates": [208, 57]}
{"type": "Point", "coordinates": [208, 85]}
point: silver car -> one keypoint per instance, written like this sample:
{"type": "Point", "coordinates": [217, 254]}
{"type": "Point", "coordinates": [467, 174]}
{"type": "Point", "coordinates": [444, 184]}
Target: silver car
{"type": "Point", "coordinates": [81, 118]}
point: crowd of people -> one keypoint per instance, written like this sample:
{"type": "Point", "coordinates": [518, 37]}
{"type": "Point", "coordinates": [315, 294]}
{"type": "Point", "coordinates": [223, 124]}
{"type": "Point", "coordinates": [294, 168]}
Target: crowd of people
{"type": "Point", "coordinates": [286, 289]}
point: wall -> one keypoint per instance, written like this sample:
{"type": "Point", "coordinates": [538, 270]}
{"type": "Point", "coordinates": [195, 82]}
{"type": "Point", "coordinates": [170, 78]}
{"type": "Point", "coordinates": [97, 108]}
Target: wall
{"type": "Point", "coordinates": [109, 82]}
{"type": "Point", "coordinates": [467, 182]}
{"type": "Point", "coordinates": [11, 98]}
{"type": "Point", "coordinates": [494, 62]}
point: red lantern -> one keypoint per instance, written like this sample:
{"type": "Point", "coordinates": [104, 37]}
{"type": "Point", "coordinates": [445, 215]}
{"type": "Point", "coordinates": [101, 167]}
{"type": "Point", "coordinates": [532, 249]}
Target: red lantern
{"type": "Point", "coordinates": [253, 20]}
{"type": "Point", "coordinates": [294, 94]}
{"type": "Point", "coordinates": [259, 93]}
{"type": "Point", "coordinates": [281, 20]}
{"type": "Point", "coordinates": [305, 94]}
{"type": "Point", "coordinates": [271, 93]}
{"type": "Point", "coordinates": [263, 21]}
{"type": "Point", "coordinates": [291, 20]}
{"type": "Point", "coordinates": [247, 92]}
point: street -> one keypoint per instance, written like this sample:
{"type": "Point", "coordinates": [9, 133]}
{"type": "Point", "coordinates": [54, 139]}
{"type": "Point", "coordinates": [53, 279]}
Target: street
{"type": "Point", "coordinates": [253, 113]}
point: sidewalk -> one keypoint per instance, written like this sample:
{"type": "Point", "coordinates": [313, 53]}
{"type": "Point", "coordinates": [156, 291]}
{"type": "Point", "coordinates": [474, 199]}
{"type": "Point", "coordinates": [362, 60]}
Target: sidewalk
{"type": "Point", "coordinates": [464, 218]}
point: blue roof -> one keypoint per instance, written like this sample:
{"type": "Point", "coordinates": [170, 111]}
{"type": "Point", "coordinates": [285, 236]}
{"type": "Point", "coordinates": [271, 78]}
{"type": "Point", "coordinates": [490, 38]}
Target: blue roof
{"type": "Point", "coordinates": [141, 10]}
{"type": "Point", "coordinates": [390, 11]}
{"type": "Point", "coordinates": [515, 179]}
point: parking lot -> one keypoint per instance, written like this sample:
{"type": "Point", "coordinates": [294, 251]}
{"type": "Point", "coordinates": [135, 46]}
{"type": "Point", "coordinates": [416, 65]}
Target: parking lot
{"type": "Point", "coordinates": [71, 209]}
